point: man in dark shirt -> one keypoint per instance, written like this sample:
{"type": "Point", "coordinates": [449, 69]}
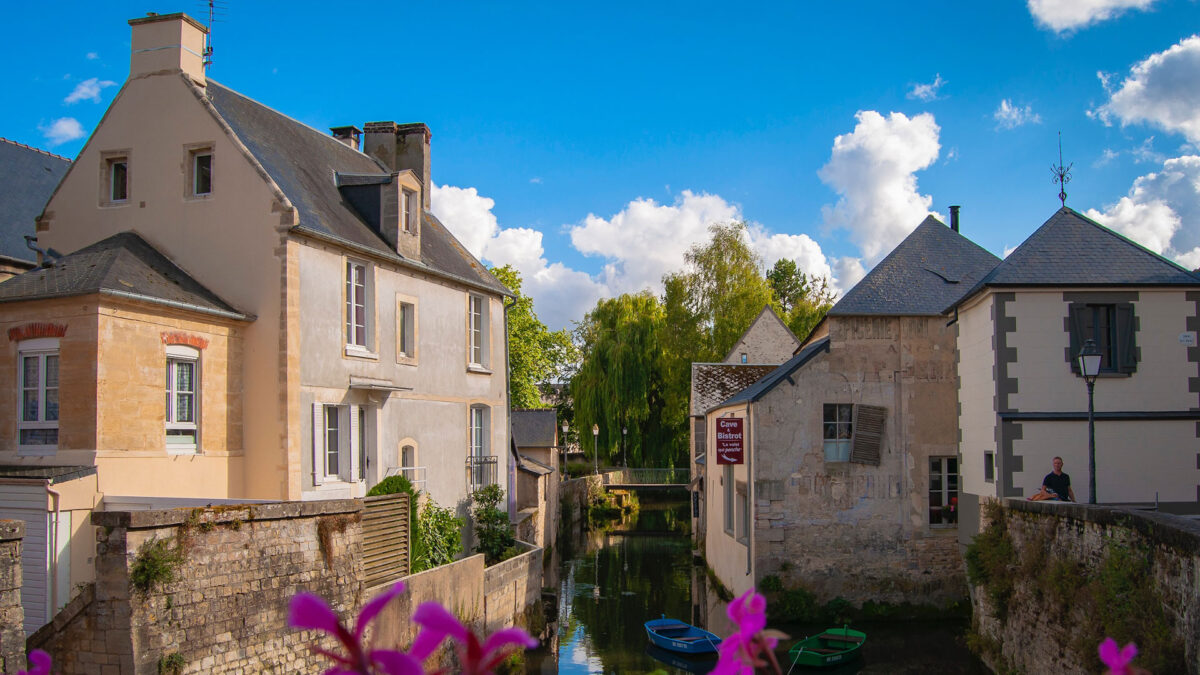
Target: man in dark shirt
{"type": "Point", "coordinates": [1058, 482]}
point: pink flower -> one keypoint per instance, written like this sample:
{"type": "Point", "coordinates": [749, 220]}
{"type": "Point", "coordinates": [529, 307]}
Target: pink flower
{"type": "Point", "coordinates": [40, 661]}
{"type": "Point", "coordinates": [740, 652]}
{"type": "Point", "coordinates": [477, 658]}
{"type": "Point", "coordinates": [308, 611]}
{"type": "Point", "coordinates": [1117, 658]}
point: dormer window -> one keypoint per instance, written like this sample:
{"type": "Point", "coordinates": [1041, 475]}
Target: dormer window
{"type": "Point", "coordinates": [408, 217]}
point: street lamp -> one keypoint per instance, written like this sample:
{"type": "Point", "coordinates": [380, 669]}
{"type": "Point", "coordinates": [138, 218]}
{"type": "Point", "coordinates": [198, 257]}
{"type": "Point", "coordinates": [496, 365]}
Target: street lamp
{"type": "Point", "coordinates": [596, 446]}
{"type": "Point", "coordinates": [562, 447]}
{"type": "Point", "coordinates": [624, 453]}
{"type": "Point", "coordinates": [1089, 366]}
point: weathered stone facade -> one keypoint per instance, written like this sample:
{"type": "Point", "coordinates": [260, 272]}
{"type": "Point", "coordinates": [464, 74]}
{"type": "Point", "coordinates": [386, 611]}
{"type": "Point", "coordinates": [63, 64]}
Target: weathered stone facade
{"type": "Point", "coordinates": [12, 636]}
{"type": "Point", "coordinates": [1034, 639]}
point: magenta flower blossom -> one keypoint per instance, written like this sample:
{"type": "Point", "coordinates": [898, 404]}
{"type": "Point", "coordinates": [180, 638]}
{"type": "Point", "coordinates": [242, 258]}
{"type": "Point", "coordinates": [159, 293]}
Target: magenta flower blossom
{"type": "Point", "coordinates": [40, 662]}
{"type": "Point", "coordinates": [1118, 659]}
{"type": "Point", "coordinates": [308, 611]}
{"type": "Point", "coordinates": [743, 651]}
{"type": "Point", "coordinates": [476, 658]}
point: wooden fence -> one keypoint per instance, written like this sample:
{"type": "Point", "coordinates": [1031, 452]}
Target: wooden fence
{"type": "Point", "coordinates": [386, 538]}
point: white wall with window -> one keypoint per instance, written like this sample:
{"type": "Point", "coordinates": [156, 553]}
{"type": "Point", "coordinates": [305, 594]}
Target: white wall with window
{"type": "Point", "coordinates": [114, 178]}
{"type": "Point", "coordinates": [200, 171]}
{"type": "Point", "coordinates": [360, 306]}
{"type": "Point", "coordinates": [406, 329]}
{"type": "Point", "coordinates": [344, 446]}
{"type": "Point", "coordinates": [37, 425]}
{"type": "Point", "coordinates": [478, 332]}
{"type": "Point", "coordinates": [183, 399]}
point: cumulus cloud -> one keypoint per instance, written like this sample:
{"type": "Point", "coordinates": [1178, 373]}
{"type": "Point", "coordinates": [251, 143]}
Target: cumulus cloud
{"type": "Point", "coordinates": [1009, 116]}
{"type": "Point", "coordinates": [873, 170]}
{"type": "Point", "coordinates": [92, 56]}
{"type": "Point", "coordinates": [927, 91]}
{"type": "Point", "coordinates": [1065, 15]}
{"type": "Point", "coordinates": [1161, 211]}
{"type": "Point", "coordinates": [88, 90]}
{"type": "Point", "coordinates": [1160, 91]}
{"type": "Point", "coordinates": [467, 214]}
{"type": "Point", "coordinates": [62, 130]}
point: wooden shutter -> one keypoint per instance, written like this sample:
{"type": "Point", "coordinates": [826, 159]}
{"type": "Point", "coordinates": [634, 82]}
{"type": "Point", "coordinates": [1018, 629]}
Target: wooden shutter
{"type": "Point", "coordinates": [1125, 350]}
{"type": "Point", "coordinates": [700, 434]}
{"type": "Point", "coordinates": [351, 468]}
{"type": "Point", "coordinates": [867, 439]}
{"type": "Point", "coordinates": [1081, 329]}
{"type": "Point", "coordinates": [318, 433]}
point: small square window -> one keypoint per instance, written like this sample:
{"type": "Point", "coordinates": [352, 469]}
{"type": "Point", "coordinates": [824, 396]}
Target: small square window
{"type": "Point", "coordinates": [989, 467]}
{"type": "Point", "coordinates": [202, 172]}
{"type": "Point", "coordinates": [837, 431]}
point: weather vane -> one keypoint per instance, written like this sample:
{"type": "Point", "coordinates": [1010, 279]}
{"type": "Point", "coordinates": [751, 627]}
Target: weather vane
{"type": "Point", "coordinates": [1061, 174]}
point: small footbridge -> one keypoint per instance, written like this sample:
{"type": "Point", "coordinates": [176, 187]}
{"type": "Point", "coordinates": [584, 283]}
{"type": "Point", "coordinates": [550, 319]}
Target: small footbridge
{"type": "Point", "coordinates": [647, 479]}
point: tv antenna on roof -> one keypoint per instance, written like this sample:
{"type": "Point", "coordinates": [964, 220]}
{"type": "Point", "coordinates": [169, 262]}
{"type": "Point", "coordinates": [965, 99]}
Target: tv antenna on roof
{"type": "Point", "coordinates": [215, 8]}
{"type": "Point", "coordinates": [1061, 174]}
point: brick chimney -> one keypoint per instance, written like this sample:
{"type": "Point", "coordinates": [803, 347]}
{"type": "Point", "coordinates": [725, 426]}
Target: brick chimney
{"type": "Point", "coordinates": [350, 135]}
{"type": "Point", "coordinates": [167, 43]}
{"type": "Point", "coordinates": [400, 147]}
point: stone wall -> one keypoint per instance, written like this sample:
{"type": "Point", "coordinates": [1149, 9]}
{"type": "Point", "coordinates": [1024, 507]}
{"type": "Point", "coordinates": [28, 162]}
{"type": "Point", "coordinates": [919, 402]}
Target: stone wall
{"type": "Point", "coordinates": [12, 617]}
{"type": "Point", "coordinates": [513, 591]}
{"type": "Point", "coordinates": [1040, 634]}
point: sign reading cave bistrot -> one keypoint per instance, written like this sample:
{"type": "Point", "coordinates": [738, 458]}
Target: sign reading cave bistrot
{"type": "Point", "coordinates": [729, 440]}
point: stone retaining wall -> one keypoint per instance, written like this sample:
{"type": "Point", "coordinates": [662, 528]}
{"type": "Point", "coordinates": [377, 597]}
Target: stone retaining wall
{"type": "Point", "coordinates": [12, 616]}
{"type": "Point", "coordinates": [1037, 635]}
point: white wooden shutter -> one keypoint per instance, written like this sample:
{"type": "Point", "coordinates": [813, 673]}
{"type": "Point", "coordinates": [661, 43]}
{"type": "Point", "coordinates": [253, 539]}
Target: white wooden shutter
{"type": "Point", "coordinates": [318, 453]}
{"type": "Point", "coordinates": [350, 468]}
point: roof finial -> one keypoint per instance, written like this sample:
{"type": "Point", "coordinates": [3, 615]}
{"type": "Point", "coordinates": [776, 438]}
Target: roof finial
{"type": "Point", "coordinates": [1061, 174]}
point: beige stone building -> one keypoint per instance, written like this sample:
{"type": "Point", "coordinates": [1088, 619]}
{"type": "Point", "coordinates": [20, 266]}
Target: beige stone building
{"type": "Point", "coordinates": [1022, 400]}
{"type": "Point", "coordinates": [848, 475]}
{"type": "Point", "coordinates": [249, 309]}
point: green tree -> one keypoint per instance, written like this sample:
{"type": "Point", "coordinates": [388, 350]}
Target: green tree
{"type": "Point", "coordinates": [802, 299]}
{"type": "Point", "coordinates": [535, 353]}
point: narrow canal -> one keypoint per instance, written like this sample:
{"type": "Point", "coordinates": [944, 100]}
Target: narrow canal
{"type": "Point", "coordinates": [610, 582]}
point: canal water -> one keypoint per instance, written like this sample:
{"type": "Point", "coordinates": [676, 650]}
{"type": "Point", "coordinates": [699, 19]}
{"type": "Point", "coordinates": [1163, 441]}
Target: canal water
{"type": "Point", "coordinates": [610, 582]}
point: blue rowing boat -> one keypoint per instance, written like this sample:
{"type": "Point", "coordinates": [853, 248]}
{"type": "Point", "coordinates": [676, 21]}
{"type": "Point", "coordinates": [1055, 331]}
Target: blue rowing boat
{"type": "Point", "coordinates": [677, 636]}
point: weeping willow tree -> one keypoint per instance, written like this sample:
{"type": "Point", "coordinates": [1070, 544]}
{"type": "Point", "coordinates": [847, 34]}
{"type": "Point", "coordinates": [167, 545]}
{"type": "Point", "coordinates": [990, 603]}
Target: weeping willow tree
{"type": "Point", "coordinates": [618, 385]}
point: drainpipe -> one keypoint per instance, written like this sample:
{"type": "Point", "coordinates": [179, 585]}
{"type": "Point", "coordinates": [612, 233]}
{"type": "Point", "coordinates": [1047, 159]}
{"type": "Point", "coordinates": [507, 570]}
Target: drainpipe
{"type": "Point", "coordinates": [508, 439]}
{"type": "Point", "coordinates": [751, 508]}
{"type": "Point", "coordinates": [57, 497]}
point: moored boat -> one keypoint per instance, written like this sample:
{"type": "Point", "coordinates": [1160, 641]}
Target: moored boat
{"type": "Point", "coordinates": [833, 647]}
{"type": "Point", "coordinates": [677, 636]}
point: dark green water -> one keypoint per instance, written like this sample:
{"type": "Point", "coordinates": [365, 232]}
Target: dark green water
{"type": "Point", "coordinates": [610, 583]}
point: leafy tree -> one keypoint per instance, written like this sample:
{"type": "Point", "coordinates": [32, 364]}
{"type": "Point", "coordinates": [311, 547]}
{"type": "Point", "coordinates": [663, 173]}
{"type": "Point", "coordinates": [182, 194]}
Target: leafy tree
{"type": "Point", "coordinates": [535, 353]}
{"type": "Point", "coordinates": [440, 534]}
{"type": "Point", "coordinates": [802, 299]}
{"type": "Point", "coordinates": [492, 527]}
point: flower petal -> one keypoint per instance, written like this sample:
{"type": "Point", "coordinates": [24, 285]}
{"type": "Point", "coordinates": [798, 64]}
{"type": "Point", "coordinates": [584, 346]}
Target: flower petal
{"type": "Point", "coordinates": [1128, 653]}
{"type": "Point", "coordinates": [437, 618]}
{"type": "Point", "coordinates": [40, 662]}
{"type": "Point", "coordinates": [396, 663]}
{"type": "Point", "coordinates": [508, 636]}
{"type": "Point", "coordinates": [374, 606]}
{"type": "Point", "coordinates": [308, 611]}
{"type": "Point", "coordinates": [1109, 653]}
{"type": "Point", "coordinates": [426, 643]}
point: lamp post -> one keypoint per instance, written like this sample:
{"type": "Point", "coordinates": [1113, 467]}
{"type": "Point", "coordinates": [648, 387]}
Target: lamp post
{"type": "Point", "coordinates": [1089, 366]}
{"type": "Point", "coordinates": [596, 446]}
{"type": "Point", "coordinates": [562, 447]}
{"type": "Point", "coordinates": [624, 453]}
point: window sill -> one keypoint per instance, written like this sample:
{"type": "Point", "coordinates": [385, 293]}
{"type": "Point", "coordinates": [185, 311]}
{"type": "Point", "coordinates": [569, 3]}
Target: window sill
{"type": "Point", "coordinates": [478, 369]}
{"type": "Point", "coordinates": [36, 451]}
{"type": "Point", "coordinates": [406, 360]}
{"type": "Point", "coordinates": [198, 198]}
{"type": "Point", "coordinates": [361, 353]}
{"type": "Point", "coordinates": [185, 451]}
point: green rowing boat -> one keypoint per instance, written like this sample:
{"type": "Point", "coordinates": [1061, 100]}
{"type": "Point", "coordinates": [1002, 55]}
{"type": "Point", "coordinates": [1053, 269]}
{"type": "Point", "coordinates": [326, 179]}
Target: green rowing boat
{"type": "Point", "coordinates": [831, 648]}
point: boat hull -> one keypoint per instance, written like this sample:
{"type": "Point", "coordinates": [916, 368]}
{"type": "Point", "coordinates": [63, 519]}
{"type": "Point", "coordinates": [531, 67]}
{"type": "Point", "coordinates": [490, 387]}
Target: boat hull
{"type": "Point", "coordinates": [831, 648]}
{"type": "Point", "coordinates": [681, 638]}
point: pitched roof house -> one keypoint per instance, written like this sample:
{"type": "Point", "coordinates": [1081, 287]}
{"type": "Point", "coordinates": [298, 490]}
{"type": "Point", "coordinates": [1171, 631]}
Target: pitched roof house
{"type": "Point", "coordinates": [1022, 401]}
{"type": "Point", "coordinates": [848, 462]}
{"type": "Point", "coordinates": [249, 309]}
{"type": "Point", "coordinates": [27, 177]}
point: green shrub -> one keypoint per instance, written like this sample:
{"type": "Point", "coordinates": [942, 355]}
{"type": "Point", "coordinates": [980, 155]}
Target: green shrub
{"type": "Point", "coordinates": [171, 664]}
{"type": "Point", "coordinates": [156, 562]}
{"type": "Point", "coordinates": [440, 534]}
{"type": "Point", "coordinates": [393, 485]}
{"type": "Point", "coordinates": [794, 605]}
{"type": "Point", "coordinates": [992, 562]}
{"type": "Point", "coordinates": [575, 469]}
{"type": "Point", "coordinates": [770, 584]}
{"type": "Point", "coordinates": [492, 528]}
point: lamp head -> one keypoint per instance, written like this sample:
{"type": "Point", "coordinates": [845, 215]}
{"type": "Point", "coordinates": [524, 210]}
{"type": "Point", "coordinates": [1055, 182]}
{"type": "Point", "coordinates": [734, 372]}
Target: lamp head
{"type": "Point", "coordinates": [595, 429]}
{"type": "Point", "coordinates": [1089, 360]}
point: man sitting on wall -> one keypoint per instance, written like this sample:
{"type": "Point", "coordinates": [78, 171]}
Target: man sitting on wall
{"type": "Point", "coordinates": [1056, 485]}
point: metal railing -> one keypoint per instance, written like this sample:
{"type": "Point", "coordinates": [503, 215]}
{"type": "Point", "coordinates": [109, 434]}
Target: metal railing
{"type": "Point", "coordinates": [481, 471]}
{"type": "Point", "coordinates": [414, 474]}
{"type": "Point", "coordinates": [654, 476]}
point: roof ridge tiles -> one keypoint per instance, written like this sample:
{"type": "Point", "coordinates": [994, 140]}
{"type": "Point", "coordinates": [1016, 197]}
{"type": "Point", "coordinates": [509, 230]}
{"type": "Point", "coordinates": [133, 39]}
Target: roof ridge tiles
{"type": "Point", "coordinates": [30, 147]}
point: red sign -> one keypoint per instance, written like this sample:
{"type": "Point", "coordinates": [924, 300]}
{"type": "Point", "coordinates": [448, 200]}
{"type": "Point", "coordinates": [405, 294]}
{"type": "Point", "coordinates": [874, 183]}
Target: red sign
{"type": "Point", "coordinates": [729, 440]}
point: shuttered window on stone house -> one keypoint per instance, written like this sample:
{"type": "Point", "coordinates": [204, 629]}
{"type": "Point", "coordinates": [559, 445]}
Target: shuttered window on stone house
{"type": "Point", "coordinates": [1112, 326]}
{"type": "Point", "coordinates": [867, 441]}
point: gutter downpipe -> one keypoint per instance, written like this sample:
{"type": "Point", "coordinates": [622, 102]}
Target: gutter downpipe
{"type": "Point", "coordinates": [54, 549]}
{"type": "Point", "coordinates": [508, 444]}
{"type": "Point", "coordinates": [751, 509]}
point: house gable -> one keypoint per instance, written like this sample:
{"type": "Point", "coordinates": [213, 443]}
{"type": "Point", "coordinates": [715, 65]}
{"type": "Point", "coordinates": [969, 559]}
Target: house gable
{"type": "Point", "coordinates": [767, 340]}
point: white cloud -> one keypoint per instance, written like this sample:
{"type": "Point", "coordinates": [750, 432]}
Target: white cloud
{"type": "Point", "coordinates": [873, 171]}
{"type": "Point", "coordinates": [92, 56]}
{"type": "Point", "coordinates": [1064, 15]}
{"type": "Point", "coordinates": [927, 91]}
{"type": "Point", "coordinates": [467, 214]}
{"type": "Point", "coordinates": [1009, 116]}
{"type": "Point", "coordinates": [536, 180]}
{"type": "Point", "coordinates": [62, 130]}
{"type": "Point", "coordinates": [1106, 157]}
{"type": "Point", "coordinates": [1161, 211]}
{"type": "Point", "coordinates": [847, 272]}
{"type": "Point", "coordinates": [88, 90]}
{"type": "Point", "coordinates": [1160, 91]}
{"type": "Point", "coordinates": [1008, 250]}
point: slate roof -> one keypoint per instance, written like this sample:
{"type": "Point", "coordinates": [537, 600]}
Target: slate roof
{"type": "Point", "coordinates": [760, 388]}
{"type": "Point", "coordinates": [534, 428]}
{"type": "Point", "coordinates": [1070, 249]}
{"type": "Point", "coordinates": [930, 270]}
{"type": "Point", "coordinates": [715, 382]}
{"type": "Point", "coordinates": [123, 264]}
{"type": "Point", "coordinates": [306, 165]}
{"type": "Point", "coordinates": [54, 474]}
{"type": "Point", "coordinates": [28, 177]}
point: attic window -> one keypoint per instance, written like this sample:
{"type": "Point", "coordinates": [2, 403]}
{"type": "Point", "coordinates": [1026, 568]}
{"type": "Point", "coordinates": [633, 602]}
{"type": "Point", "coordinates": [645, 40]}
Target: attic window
{"type": "Point", "coordinates": [114, 178]}
{"type": "Point", "coordinates": [202, 172]}
{"type": "Point", "coordinates": [409, 216]}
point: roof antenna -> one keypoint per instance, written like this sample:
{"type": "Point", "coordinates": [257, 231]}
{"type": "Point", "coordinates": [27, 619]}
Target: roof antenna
{"type": "Point", "coordinates": [215, 8]}
{"type": "Point", "coordinates": [1061, 174]}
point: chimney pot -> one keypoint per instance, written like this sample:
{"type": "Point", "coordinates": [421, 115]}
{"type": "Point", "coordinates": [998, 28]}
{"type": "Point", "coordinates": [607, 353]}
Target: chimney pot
{"type": "Point", "coordinates": [351, 135]}
{"type": "Point", "coordinates": [954, 217]}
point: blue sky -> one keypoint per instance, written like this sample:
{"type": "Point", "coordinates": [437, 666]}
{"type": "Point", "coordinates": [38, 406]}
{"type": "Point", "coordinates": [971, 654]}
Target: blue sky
{"type": "Point", "coordinates": [590, 145]}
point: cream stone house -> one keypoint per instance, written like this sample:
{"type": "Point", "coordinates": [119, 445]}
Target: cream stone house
{"type": "Point", "coordinates": [249, 310]}
{"type": "Point", "coordinates": [1022, 400]}
{"type": "Point", "coordinates": [847, 474]}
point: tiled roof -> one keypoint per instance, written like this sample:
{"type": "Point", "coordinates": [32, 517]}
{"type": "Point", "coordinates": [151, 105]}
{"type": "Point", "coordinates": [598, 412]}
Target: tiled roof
{"type": "Point", "coordinates": [715, 382]}
{"type": "Point", "coordinates": [1070, 249]}
{"type": "Point", "coordinates": [123, 264]}
{"type": "Point", "coordinates": [307, 166]}
{"type": "Point", "coordinates": [767, 383]}
{"type": "Point", "coordinates": [54, 474]}
{"type": "Point", "coordinates": [927, 272]}
{"type": "Point", "coordinates": [534, 428]}
{"type": "Point", "coordinates": [28, 177]}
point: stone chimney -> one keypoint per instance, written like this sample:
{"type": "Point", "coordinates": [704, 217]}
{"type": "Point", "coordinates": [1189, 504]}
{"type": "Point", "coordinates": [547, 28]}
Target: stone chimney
{"type": "Point", "coordinates": [351, 135]}
{"type": "Point", "coordinates": [167, 43]}
{"type": "Point", "coordinates": [400, 147]}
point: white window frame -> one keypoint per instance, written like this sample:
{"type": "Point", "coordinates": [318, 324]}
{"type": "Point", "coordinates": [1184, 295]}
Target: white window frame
{"type": "Point", "coordinates": [350, 439]}
{"type": "Point", "coordinates": [178, 355]}
{"type": "Point", "coordinates": [195, 156]}
{"type": "Point", "coordinates": [108, 174]}
{"type": "Point", "coordinates": [333, 432]}
{"type": "Point", "coordinates": [406, 329]}
{"type": "Point", "coordinates": [359, 343]}
{"type": "Point", "coordinates": [408, 202]}
{"type": "Point", "coordinates": [41, 349]}
{"type": "Point", "coordinates": [478, 325]}
{"type": "Point", "coordinates": [944, 492]}
{"type": "Point", "coordinates": [837, 446]}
